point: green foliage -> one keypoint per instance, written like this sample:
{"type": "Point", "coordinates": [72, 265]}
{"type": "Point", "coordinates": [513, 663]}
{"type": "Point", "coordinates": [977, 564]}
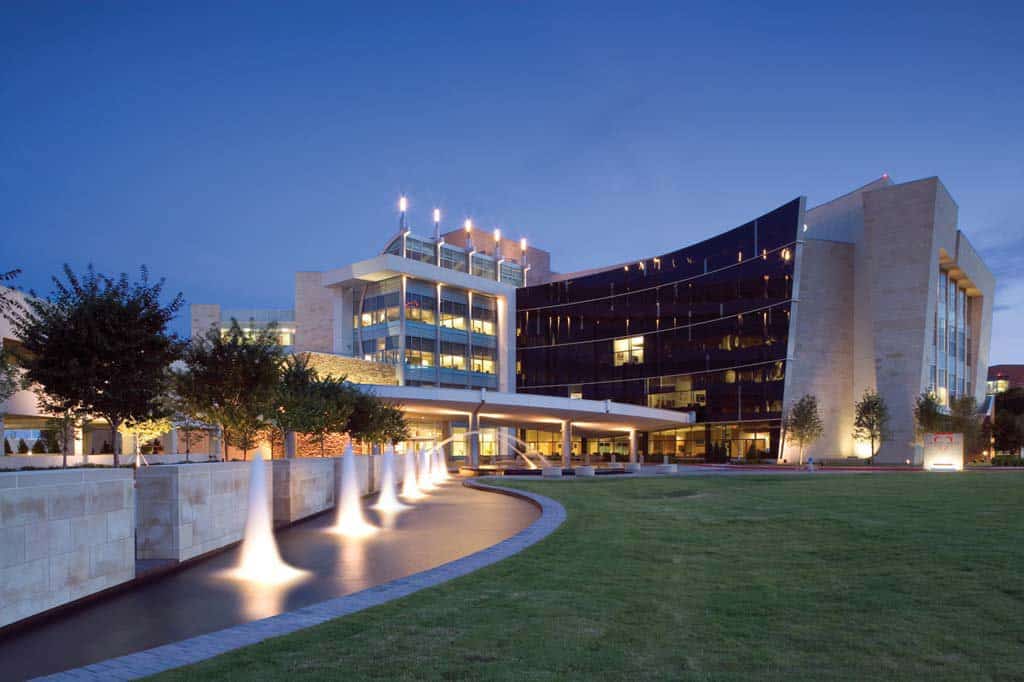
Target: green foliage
{"type": "Point", "coordinates": [871, 420]}
{"type": "Point", "coordinates": [376, 422]}
{"type": "Point", "coordinates": [22, 447]}
{"type": "Point", "coordinates": [803, 424]}
{"type": "Point", "coordinates": [62, 429]}
{"type": "Point", "coordinates": [7, 447]}
{"type": "Point", "coordinates": [99, 345]}
{"type": "Point", "coordinates": [7, 301]}
{"type": "Point", "coordinates": [231, 380]}
{"type": "Point", "coordinates": [1008, 426]}
{"type": "Point", "coordinates": [297, 398]}
{"type": "Point", "coordinates": [1007, 461]}
{"type": "Point", "coordinates": [10, 376]}
{"type": "Point", "coordinates": [928, 415]}
{"type": "Point", "coordinates": [39, 448]}
{"type": "Point", "coordinates": [333, 403]}
{"type": "Point", "coordinates": [963, 418]}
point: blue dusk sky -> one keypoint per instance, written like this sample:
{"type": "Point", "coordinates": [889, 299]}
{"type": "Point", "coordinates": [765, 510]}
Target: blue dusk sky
{"type": "Point", "coordinates": [229, 145]}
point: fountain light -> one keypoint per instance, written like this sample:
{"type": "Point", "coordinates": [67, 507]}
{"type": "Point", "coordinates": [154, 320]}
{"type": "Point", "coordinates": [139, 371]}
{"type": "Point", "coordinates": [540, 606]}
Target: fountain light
{"type": "Point", "coordinates": [260, 561]}
{"type": "Point", "coordinates": [440, 466]}
{"type": "Point", "coordinates": [410, 484]}
{"type": "Point", "coordinates": [388, 500]}
{"type": "Point", "coordinates": [350, 520]}
{"type": "Point", "coordinates": [426, 481]}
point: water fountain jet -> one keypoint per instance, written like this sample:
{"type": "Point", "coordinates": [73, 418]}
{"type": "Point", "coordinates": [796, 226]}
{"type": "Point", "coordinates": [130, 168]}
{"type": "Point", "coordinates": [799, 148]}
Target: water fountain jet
{"type": "Point", "coordinates": [350, 520]}
{"type": "Point", "coordinates": [440, 468]}
{"type": "Point", "coordinates": [388, 500]}
{"type": "Point", "coordinates": [410, 484]}
{"type": "Point", "coordinates": [425, 480]}
{"type": "Point", "coordinates": [260, 561]}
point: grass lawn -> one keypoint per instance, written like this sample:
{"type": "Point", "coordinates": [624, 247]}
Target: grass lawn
{"type": "Point", "coordinates": [744, 577]}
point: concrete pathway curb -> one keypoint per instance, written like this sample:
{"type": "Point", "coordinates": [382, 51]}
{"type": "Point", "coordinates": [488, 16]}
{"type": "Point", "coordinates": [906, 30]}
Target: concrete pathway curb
{"type": "Point", "coordinates": [196, 649]}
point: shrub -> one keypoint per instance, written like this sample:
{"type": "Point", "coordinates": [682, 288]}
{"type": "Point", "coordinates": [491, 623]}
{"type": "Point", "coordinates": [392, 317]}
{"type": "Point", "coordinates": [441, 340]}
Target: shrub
{"type": "Point", "coordinates": [7, 447]}
{"type": "Point", "coordinates": [22, 447]}
{"type": "Point", "coordinates": [39, 447]}
{"type": "Point", "coordinates": [1007, 461]}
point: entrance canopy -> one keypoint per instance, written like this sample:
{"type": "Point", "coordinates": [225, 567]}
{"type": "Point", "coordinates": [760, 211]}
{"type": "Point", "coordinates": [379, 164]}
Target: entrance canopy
{"type": "Point", "coordinates": [521, 409]}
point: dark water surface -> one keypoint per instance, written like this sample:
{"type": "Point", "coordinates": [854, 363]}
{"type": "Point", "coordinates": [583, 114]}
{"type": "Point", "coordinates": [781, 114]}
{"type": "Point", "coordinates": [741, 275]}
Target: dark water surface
{"type": "Point", "coordinates": [450, 523]}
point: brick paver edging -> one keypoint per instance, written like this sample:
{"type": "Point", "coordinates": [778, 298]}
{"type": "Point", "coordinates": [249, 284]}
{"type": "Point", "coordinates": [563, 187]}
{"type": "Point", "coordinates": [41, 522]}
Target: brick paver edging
{"type": "Point", "coordinates": [196, 649]}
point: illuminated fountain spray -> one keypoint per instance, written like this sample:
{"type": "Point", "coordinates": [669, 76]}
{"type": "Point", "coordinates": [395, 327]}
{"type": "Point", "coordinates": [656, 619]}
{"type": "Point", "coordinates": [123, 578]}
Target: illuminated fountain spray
{"type": "Point", "coordinates": [410, 484]}
{"type": "Point", "coordinates": [260, 561]}
{"type": "Point", "coordinates": [350, 520]}
{"type": "Point", "coordinates": [387, 500]}
{"type": "Point", "coordinates": [440, 466]}
{"type": "Point", "coordinates": [426, 480]}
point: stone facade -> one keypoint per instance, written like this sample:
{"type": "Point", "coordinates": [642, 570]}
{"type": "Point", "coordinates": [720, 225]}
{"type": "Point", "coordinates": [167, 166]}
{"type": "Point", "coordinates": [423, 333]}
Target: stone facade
{"type": "Point", "coordinates": [864, 318]}
{"type": "Point", "coordinates": [356, 370]}
{"type": "Point", "coordinates": [822, 342]}
{"type": "Point", "coordinates": [314, 314]}
{"type": "Point", "coordinates": [204, 316]}
{"type": "Point", "coordinates": [190, 509]}
{"type": "Point", "coordinates": [63, 535]}
{"type": "Point", "coordinates": [303, 487]}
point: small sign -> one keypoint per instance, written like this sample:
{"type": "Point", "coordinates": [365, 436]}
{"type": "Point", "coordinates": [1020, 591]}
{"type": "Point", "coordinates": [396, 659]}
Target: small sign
{"type": "Point", "coordinates": [943, 451]}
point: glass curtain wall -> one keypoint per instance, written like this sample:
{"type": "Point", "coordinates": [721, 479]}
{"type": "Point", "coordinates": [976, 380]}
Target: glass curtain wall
{"type": "Point", "coordinates": [951, 361]}
{"type": "Point", "coordinates": [704, 328]}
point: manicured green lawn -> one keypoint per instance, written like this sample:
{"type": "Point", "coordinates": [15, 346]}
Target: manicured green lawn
{"type": "Point", "coordinates": [767, 577]}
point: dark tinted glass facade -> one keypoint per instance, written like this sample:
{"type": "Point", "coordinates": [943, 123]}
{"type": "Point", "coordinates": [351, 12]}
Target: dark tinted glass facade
{"type": "Point", "coordinates": [704, 328]}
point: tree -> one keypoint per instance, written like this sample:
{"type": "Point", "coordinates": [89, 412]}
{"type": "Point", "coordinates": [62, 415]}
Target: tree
{"type": "Point", "coordinates": [100, 346]}
{"type": "Point", "coordinates": [334, 403]}
{"type": "Point", "coordinates": [22, 447]}
{"type": "Point", "coordinates": [63, 427]}
{"type": "Point", "coordinates": [297, 401]}
{"type": "Point", "coordinates": [182, 409]}
{"type": "Point", "coordinates": [232, 381]}
{"type": "Point", "coordinates": [802, 423]}
{"type": "Point", "coordinates": [963, 418]}
{"type": "Point", "coordinates": [1008, 425]}
{"type": "Point", "coordinates": [145, 430]}
{"type": "Point", "coordinates": [928, 415]}
{"type": "Point", "coordinates": [374, 421]}
{"type": "Point", "coordinates": [871, 420]}
{"type": "Point", "coordinates": [7, 301]}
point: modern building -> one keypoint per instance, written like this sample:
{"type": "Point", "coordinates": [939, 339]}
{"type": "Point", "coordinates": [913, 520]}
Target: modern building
{"type": "Point", "coordinates": [430, 323]}
{"type": "Point", "coordinates": [876, 290]}
{"type": "Point", "coordinates": [1001, 378]}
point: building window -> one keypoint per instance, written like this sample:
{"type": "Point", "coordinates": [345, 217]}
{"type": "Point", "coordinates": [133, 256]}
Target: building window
{"type": "Point", "coordinates": [628, 351]}
{"type": "Point", "coordinates": [453, 355]}
{"type": "Point", "coordinates": [420, 308]}
{"type": "Point", "coordinates": [483, 360]}
{"type": "Point", "coordinates": [453, 314]}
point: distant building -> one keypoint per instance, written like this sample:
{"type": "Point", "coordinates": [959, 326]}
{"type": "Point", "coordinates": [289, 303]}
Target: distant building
{"type": "Point", "coordinates": [1001, 378]}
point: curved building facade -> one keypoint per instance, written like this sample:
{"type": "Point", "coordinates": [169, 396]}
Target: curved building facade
{"type": "Point", "coordinates": [704, 328]}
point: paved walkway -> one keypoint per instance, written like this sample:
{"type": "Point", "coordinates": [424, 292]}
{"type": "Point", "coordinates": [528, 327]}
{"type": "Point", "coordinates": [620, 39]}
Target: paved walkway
{"type": "Point", "coordinates": [196, 649]}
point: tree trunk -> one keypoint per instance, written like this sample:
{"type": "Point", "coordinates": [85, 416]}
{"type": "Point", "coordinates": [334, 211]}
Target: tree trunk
{"type": "Point", "coordinates": [114, 449]}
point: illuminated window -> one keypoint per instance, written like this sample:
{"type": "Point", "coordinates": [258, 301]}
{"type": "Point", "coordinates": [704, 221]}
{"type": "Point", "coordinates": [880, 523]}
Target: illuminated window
{"type": "Point", "coordinates": [453, 314]}
{"type": "Point", "coordinates": [628, 351]}
{"type": "Point", "coordinates": [453, 355]}
{"type": "Point", "coordinates": [483, 360]}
